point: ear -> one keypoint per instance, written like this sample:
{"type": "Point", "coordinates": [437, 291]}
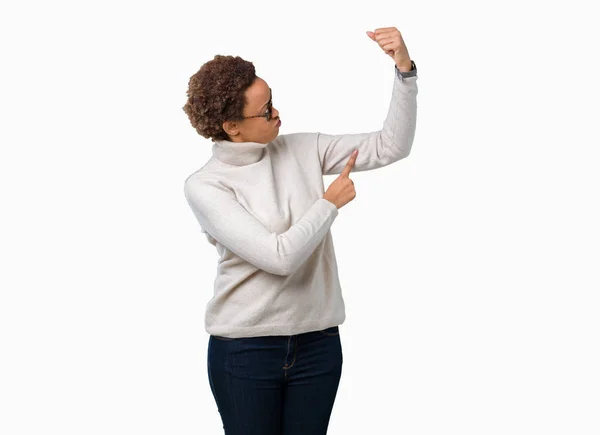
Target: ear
{"type": "Point", "coordinates": [232, 128]}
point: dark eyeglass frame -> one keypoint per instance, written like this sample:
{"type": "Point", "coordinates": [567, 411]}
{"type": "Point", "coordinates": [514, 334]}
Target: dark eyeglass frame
{"type": "Point", "coordinates": [269, 111]}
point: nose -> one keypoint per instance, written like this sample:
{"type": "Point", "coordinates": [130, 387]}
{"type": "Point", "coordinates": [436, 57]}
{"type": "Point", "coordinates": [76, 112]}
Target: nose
{"type": "Point", "coordinates": [274, 113]}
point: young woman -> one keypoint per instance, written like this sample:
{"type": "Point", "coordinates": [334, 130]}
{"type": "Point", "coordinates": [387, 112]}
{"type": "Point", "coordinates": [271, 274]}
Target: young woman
{"type": "Point", "coordinates": [274, 351]}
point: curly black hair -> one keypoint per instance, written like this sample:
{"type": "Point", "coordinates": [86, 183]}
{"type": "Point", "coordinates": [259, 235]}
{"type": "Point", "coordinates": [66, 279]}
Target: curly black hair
{"type": "Point", "coordinates": [216, 94]}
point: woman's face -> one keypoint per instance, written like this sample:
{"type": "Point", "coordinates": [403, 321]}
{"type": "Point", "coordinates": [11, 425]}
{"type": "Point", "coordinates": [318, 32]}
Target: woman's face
{"type": "Point", "coordinates": [258, 97]}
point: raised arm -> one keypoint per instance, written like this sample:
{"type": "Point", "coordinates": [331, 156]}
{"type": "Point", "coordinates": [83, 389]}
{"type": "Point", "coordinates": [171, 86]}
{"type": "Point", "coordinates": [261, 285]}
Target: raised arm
{"type": "Point", "coordinates": [379, 148]}
{"type": "Point", "coordinates": [224, 218]}
{"type": "Point", "coordinates": [394, 141]}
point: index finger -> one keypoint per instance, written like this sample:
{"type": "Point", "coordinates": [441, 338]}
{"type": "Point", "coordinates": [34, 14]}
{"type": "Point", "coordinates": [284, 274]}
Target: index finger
{"type": "Point", "coordinates": [350, 164]}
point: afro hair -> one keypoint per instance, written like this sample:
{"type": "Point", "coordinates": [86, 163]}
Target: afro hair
{"type": "Point", "coordinates": [216, 93]}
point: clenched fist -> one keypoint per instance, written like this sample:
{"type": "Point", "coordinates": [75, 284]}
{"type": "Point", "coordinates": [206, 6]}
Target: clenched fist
{"type": "Point", "coordinates": [391, 42]}
{"type": "Point", "coordinates": [341, 191]}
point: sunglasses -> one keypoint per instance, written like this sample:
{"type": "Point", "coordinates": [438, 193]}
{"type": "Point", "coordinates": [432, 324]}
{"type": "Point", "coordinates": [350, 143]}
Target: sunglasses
{"type": "Point", "coordinates": [269, 113]}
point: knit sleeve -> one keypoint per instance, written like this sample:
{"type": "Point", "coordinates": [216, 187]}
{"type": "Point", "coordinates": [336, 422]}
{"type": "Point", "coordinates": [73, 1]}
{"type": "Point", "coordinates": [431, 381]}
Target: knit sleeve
{"type": "Point", "coordinates": [379, 148]}
{"type": "Point", "coordinates": [223, 217]}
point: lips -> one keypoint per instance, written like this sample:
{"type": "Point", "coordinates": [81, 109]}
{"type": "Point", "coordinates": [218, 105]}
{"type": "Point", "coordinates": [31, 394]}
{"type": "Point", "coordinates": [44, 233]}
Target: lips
{"type": "Point", "coordinates": [278, 123]}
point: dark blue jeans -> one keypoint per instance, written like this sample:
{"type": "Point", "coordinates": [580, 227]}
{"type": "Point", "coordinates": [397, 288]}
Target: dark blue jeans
{"type": "Point", "coordinates": [276, 385]}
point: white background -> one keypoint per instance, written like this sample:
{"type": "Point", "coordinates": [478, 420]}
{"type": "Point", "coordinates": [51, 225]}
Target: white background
{"type": "Point", "coordinates": [470, 270]}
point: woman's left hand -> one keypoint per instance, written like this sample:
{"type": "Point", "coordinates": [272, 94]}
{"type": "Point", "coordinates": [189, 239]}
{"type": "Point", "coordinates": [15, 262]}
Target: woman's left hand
{"type": "Point", "coordinates": [391, 42]}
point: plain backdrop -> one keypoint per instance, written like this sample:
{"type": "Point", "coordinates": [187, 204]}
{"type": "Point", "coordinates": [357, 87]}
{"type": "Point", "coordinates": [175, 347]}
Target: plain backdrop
{"type": "Point", "coordinates": [473, 297]}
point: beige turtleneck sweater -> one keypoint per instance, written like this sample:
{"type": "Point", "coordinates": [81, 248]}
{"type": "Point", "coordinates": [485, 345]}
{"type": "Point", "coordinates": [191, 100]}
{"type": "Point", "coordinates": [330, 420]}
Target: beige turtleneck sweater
{"type": "Point", "coordinates": [262, 207]}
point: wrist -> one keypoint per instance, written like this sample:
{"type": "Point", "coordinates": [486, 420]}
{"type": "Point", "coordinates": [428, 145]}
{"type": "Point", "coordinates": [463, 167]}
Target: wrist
{"type": "Point", "coordinates": [404, 66]}
{"type": "Point", "coordinates": [330, 200]}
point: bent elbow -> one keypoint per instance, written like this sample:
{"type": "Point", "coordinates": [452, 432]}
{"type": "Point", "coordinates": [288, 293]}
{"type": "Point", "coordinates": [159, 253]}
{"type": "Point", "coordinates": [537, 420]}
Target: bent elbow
{"type": "Point", "coordinates": [287, 266]}
{"type": "Point", "coordinates": [405, 153]}
{"type": "Point", "coordinates": [279, 266]}
{"type": "Point", "coordinates": [405, 147]}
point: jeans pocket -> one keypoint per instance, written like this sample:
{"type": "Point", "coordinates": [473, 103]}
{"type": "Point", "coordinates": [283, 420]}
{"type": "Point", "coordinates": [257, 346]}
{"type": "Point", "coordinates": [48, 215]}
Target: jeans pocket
{"type": "Point", "coordinates": [333, 330]}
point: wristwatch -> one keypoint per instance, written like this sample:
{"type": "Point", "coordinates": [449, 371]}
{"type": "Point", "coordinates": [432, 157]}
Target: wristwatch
{"type": "Point", "coordinates": [411, 73]}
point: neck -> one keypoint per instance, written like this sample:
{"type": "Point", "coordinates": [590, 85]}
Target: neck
{"type": "Point", "coordinates": [238, 153]}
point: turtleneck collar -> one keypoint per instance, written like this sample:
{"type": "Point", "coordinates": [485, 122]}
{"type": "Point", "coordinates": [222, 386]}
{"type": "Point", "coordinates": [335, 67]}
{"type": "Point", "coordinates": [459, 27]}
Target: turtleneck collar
{"type": "Point", "coordinates": [238, 153]}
